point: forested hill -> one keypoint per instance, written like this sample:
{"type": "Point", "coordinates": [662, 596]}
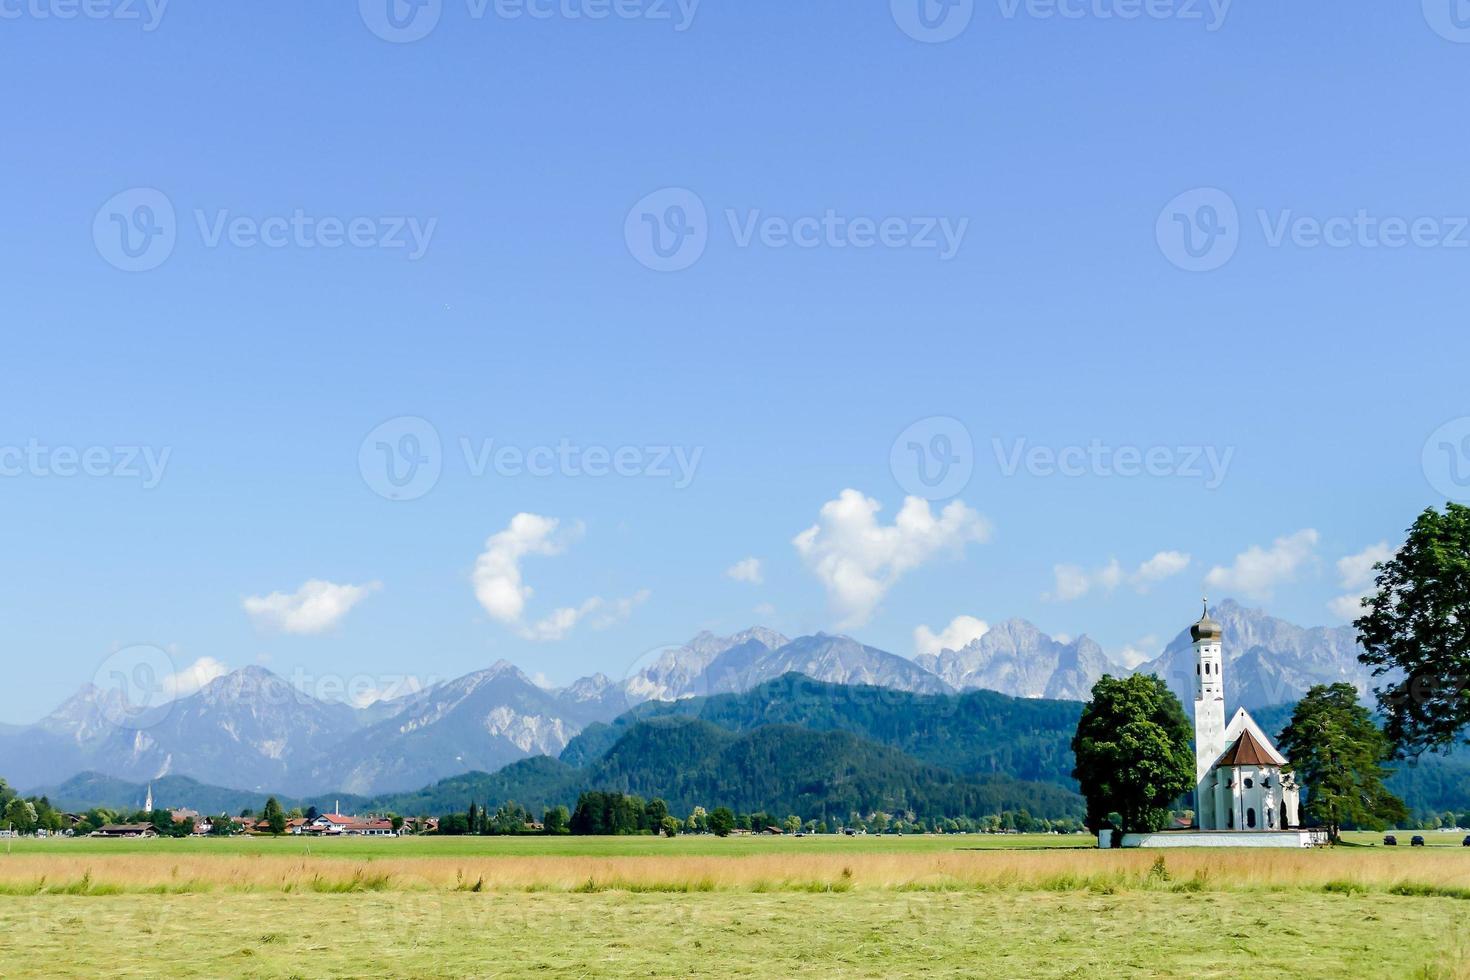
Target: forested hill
{"type": "Point", "coordinates": [976, 733]}
{"type": "Point", "coordinates": [689, 762]}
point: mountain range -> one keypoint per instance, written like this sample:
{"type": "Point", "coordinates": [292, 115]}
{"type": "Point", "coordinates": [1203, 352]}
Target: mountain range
{"type": "Point", "coordinates": [251, 730]}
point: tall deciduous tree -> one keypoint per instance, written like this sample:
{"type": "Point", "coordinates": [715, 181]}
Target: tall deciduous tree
{"type": "Point", "coordinates": [1417, 630]}
{"type": "Point", "coordinates": [721, 821]}
{"type": "Point", "coordinates": [1337, 752]}
{"type": "Point", "coordinates": [1134, 753]}
{"type": "Point", "coordinates": [274, 816]}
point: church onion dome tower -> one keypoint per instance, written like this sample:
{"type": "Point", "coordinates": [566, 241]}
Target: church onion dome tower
{"type": "Point", "coordinates": [1207, 630]}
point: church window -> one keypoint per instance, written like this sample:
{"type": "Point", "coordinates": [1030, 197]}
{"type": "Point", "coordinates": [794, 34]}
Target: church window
{"type": "Point", "coordinates": [1250, 818]}
{"type": "Point", "coordinates": [1249, 783]}
{"type": "Point", "coordinates": [1266, 783]}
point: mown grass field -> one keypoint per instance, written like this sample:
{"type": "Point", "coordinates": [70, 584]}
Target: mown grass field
{"type": "Point", "coordinates": [699, 906]}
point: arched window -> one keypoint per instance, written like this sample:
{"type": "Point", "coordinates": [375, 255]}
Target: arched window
{"type": "Point", "coordinates": [1250, 818]}
{"type": "Point", "coordinates": [1249, 783]}
{"type": "Point", "coordinates": [1284, 824]}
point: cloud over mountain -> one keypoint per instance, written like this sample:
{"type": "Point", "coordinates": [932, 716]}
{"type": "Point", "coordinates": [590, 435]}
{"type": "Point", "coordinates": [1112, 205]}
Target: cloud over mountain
{"type": "Point", "coordinates": [316, 607]}
{"type": "Point", "coordinates": [858, 559]}
{"type": "Point", "coordinates": [1257, 571]}
{"type": "Point", "coordinates": [1356, 574]}
{"type": "Point", "coordinates": [1074, 581]}
{"type": "Point", "coordinates": [503, 593]}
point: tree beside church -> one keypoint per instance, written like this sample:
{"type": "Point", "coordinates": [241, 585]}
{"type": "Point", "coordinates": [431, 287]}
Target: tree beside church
{"type": "Point", "coordinates": [1133, 754]}
{"type": "Point", "coordinates": [1415, 632]}
{"type": "Point", "coordinates": [1337, 752]}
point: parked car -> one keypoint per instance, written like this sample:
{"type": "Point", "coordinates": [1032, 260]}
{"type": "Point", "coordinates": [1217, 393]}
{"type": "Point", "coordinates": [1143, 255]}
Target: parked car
{"type": "Point", "coordinates": [1465, 842]}
{"type": "Point", "coordinates": [1390, 841]}
{"type": "Point", "coordinates": [1417, 841]}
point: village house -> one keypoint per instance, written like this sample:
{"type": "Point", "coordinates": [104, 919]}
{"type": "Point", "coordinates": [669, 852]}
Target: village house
{"type": "Point", "coordinates": [369, 828]}
{"type": "Point", "coordinates": [126, 830]}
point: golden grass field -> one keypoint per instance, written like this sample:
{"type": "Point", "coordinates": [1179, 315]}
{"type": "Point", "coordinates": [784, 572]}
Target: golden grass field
{"type": "Point", "coordinates": [772, 907]}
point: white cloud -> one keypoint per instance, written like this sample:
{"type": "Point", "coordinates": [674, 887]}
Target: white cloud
{"type": "Point", "coordinates": [193, 677]}
{"type": "Point", "coordinates": [1357, 575]}
{"type": "Point", "coordinates": [1257, 571]}
{"type": "Point", "coordinates": [858, 560]}
{"type": "Point", "coordinates": [746, 570]}
{"type": "Point", "coordinates": [1166, 564]}
{"type": "Point", "coordinates": [503, 593]}
{"type": "Point", "coordinates": [1074, 581]}
{"type": "Point", "coordinates": [497, 575]}
{"type": "Point", "coordinates": [314, 608]}
{"type": "Point", "coordinates": [392, 687]}
{"type": "Point", "coordinates": [960, 633]}
{"type": "Point", "coordinates": [765, 610]}
{"type": "Point", "coordinates": [1134, 655]}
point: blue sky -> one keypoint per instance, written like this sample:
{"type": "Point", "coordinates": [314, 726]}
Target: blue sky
{"type": "Point", "coordinates": [1058, 151]}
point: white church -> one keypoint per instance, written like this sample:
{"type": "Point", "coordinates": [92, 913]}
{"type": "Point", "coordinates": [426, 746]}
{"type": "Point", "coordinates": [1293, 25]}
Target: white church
{"type": "Point", "coordinates": [1243, 795]}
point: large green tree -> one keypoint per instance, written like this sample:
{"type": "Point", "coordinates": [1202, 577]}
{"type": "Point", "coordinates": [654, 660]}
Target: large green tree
{"type": "Point", "coordinates": [1134, 753]}
{"type": "Point", "coordinates": [274, 816]}
{"type": "Point", "coordinates": [721, 821]}
{"type": "Point", "coordinates": [1337, 753]}
{"type": "Point", "coordinates": [1416, 632]}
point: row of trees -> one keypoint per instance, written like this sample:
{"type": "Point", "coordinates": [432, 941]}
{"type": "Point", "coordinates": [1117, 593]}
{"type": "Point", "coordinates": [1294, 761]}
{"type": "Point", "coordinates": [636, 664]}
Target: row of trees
{"type": "Point", "coordinates": [1133, 742]}
{"type": "Point", "coordinates": [600, 813]}
{"type": "Point", "coordinates": [27, 815]}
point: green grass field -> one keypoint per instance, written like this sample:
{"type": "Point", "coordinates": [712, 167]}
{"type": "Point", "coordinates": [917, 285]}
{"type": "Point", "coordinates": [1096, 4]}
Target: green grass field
{"type": "Point", "coordinates": [1002, 906]}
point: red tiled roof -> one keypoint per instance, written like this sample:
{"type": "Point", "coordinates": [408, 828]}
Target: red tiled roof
{"type": "Point", "coordinates": [1247, 752]}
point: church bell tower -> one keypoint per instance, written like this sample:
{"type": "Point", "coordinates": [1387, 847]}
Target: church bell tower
{"type": "Point", "coordinates": [1209, 693]}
